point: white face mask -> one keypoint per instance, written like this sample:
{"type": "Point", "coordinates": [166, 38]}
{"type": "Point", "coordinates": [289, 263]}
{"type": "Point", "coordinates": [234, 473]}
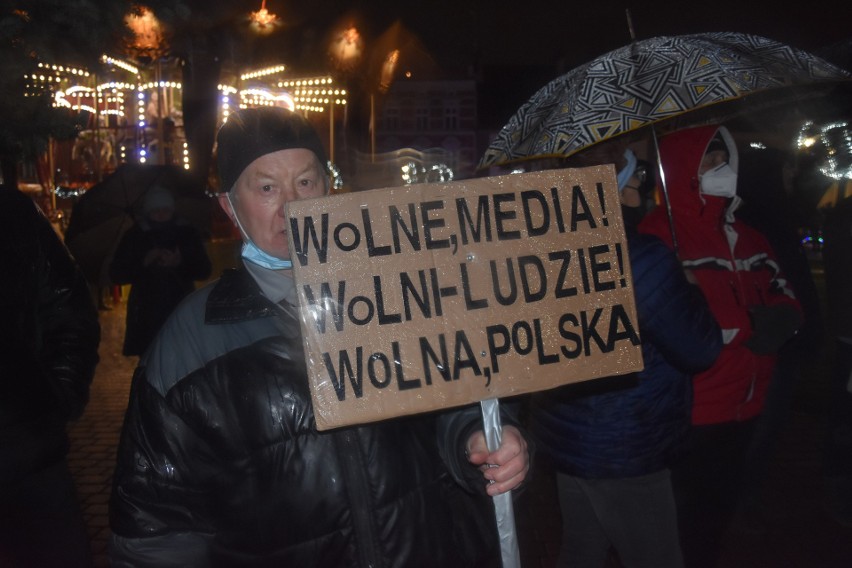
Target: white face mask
{"type": "Point", "coordinates": [721, 181]}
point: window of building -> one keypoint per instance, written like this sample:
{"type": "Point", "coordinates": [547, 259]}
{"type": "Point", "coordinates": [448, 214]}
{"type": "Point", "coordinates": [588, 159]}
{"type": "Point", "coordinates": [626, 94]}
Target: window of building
{"type": "Point", "coordinates": [391, 118]}
{"type": "Point", "coordinates": [422, 119]}
{"type": "Point", "coordinates": [451, 118]}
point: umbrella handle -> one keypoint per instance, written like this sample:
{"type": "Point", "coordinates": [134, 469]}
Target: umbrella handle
{"type": "Point", "coordinates": [630, 24]}
{"type": "Point", "coordinates": [665, 191]}
{"type": "Point", "coordinates": [503, 508]}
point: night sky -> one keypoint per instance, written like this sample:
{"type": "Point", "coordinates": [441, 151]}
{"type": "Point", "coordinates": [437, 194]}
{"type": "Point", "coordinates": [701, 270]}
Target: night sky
{"type": "Point", "coordinates": [548, 31]}
{"type": "Point", "coordinates": [517, 47]}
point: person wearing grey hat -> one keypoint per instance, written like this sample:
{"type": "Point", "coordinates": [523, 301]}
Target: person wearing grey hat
{"type": "Point", "coordinates": [220, 462]}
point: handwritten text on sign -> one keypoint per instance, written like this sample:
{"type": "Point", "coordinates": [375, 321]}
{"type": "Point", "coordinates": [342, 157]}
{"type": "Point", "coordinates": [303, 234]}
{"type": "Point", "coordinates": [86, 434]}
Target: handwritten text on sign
{"type": "Point", "coordinates": [438, 295]}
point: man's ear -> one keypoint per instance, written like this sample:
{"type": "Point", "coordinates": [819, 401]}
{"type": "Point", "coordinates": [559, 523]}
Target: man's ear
{"type": "Point", "coordinates": [225, 204]}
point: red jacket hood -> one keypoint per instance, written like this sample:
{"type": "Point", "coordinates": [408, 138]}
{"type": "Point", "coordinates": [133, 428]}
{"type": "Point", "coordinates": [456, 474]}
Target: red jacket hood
{"type": "Point", "coordinates": [681, 153]}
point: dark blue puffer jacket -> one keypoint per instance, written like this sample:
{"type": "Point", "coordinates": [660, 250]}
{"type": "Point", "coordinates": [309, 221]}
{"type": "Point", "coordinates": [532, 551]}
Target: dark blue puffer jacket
{"type": "Point", "coordinates": [629, 425]}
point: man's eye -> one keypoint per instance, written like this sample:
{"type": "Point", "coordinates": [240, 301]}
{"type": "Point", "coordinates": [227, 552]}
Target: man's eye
{"type": "Point", "coordinates": [266, 188]}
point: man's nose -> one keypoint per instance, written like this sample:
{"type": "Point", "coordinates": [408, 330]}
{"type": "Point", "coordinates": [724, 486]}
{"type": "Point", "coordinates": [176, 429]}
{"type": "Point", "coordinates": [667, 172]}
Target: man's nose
{"type": "Point", "coordinates": [288, 194]}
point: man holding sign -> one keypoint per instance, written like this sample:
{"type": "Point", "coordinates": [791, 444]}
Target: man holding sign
{"type": "Point", "coordinates": [220, 461]}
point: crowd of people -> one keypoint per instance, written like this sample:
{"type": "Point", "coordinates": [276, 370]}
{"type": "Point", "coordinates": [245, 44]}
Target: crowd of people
{"type": "Point", "coordinates": [220, 462]}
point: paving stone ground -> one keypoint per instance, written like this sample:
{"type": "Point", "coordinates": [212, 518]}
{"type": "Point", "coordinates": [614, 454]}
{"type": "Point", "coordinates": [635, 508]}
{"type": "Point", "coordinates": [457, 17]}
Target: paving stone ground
{"type": "Point", "coordinates": [94, 438]}
{"type": "Point", "coordinates": [800, 534]}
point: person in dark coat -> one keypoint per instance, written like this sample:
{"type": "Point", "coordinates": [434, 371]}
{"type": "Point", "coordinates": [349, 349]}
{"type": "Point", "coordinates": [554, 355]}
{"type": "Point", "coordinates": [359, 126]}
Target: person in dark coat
{"type": "Point", "coordinates": [161, 258]}
{"type": "Point", "coordinates": [764, 182]}
{"type": "Point", "coordinates": [49, 335]}
{"type": "Point", "coordinates": [611, 439]}
{"type": "Point", "coordinates": [220, 461]}
{"type": "Point", "coordinates": [837, 459]}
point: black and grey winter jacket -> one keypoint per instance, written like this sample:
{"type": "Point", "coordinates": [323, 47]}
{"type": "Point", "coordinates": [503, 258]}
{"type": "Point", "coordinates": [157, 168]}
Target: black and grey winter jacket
{"type": "Point", "coordinates": [220, 463]}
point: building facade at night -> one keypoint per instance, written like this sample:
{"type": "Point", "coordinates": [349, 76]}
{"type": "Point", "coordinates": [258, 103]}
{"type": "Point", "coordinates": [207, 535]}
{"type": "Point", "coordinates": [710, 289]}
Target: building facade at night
{"type": "Point", "coordinates": [432, 115]}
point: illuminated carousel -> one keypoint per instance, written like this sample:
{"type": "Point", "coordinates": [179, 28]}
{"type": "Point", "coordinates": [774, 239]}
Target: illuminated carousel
{"type": "Point", "coordinates": [129, 116]}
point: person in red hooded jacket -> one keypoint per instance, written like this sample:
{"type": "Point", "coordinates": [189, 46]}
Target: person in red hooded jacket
{"type": "Point", "coordinates": [754, 305]}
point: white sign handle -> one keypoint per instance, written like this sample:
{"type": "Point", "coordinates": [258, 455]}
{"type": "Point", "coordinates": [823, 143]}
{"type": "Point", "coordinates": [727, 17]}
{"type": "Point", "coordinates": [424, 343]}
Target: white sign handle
{"type": "Point", "coordinates": [503, 507]}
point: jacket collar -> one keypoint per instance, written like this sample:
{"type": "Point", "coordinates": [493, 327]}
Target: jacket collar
{"type": "Point", "coordinates": [237, 297]}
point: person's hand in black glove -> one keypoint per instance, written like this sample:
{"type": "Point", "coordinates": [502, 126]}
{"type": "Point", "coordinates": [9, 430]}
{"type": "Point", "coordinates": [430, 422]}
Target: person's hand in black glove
{"type": "Point", "coordinates": [772, 327]}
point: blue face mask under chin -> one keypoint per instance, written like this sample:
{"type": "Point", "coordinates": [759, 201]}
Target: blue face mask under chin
{"type": "Point", "coordinates": [628, 170]}
{"type": "Point", "coordinates": [252, 253]}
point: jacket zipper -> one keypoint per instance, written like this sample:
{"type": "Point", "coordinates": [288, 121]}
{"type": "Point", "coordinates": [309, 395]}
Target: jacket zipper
{"type": "Point", "coordinates": [357, 487]}
{"type": "Point", "coordinates": [358, 491]}
{"type": "Point", "coordinates": [739, 294]}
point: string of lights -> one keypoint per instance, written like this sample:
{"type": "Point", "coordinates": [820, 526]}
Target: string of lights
{"type": "Point", "coordinates": [833, 141]}
{"type": "Point", "coordinates": [74, 88]}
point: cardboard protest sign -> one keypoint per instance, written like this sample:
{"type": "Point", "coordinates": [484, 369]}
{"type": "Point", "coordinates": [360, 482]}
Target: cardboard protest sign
{"type": "Point", "coordinates": [437, 295]}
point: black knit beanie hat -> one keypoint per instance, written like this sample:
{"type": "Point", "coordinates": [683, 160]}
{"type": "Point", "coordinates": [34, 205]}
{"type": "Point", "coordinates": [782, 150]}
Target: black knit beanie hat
{"type": "Point", "coordinates": [254, 132]}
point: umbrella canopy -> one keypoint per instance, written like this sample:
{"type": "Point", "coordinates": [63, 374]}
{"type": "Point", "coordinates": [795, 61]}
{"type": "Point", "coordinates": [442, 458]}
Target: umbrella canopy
{"type": "Point", "coordinates": [650, 81]}
{"type": "Point", "coordinates": [105, 212]}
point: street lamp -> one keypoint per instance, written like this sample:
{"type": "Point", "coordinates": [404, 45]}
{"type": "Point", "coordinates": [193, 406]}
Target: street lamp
{"type": "Point", "coordinates": [148, 39]}
{"type": "Point", "coordinates": [346, 50]}
{"type": "Point", "coordinates": [263, 21]}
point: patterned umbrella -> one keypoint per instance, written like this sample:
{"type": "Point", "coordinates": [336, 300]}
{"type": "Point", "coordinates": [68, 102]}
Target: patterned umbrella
{"type": "Point", "coordinates": [650, 81]}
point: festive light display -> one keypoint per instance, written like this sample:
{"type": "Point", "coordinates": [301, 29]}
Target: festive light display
{"type": "Point", "coordinates": [263, 21]}
{"type": "Point", "coordinates": [121, 64]}
{"type": "Point", "coordinates": [78, 89]}
{"type": "Point", "coordinates": [263, 72]}
{"type": "Point", "coordinates": [833, 143]}
{"type": "Point", "coordinates": [346, 50]}
{"type": "Point", "coordinates": [148, 34]}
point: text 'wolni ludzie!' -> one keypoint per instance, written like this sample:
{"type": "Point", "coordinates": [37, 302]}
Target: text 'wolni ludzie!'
{"type": "Point", "coordinates": [423, 294]}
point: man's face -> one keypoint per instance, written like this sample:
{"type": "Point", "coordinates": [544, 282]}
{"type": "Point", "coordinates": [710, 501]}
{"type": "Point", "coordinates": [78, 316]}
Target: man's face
{"type": "Point", "coordinates": [265, 186]}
